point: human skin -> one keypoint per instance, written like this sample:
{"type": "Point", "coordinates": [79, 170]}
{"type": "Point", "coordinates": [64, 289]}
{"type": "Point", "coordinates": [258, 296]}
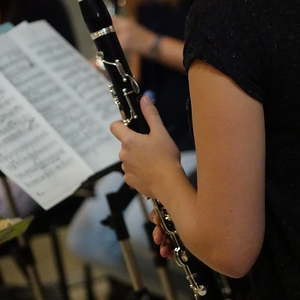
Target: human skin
{"type": "Point", "coordinates": [137, 39]}
{"type": "Point", "coordinates": [222, 223]}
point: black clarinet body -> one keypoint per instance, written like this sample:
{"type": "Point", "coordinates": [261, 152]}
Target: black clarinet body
{"type": "Point", "coordinates": [126, 95]}
{"type": "Point", "coordinates": [124, 88]}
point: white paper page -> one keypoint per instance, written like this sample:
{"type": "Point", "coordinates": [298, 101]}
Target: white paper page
{"type": "Point", "coordinates": [76, 73]}
{"type": "Point", "coordinates": [60, 107]}
{"type": "Point", "coordinates": [32, 154]}
{"type": "Point", "coordinates": [66, 62]}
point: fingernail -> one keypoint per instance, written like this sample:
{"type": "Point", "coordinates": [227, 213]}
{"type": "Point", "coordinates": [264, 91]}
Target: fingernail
{"type": "Point", "coordinates": [150, 95]}
{"type": "Point", "coordinates": [164, 251]}
{"type": "Point", "coordinates": [146, 100]}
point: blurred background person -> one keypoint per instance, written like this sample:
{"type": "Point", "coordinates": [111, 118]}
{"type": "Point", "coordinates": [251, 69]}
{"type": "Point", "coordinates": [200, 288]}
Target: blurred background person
{"type": "Point", "coordinates": [154, 43]}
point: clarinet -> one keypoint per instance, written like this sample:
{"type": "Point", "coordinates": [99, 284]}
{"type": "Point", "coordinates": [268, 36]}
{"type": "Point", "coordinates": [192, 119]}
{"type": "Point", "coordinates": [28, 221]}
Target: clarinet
{"type": "Point", "coordinates": [126, 95]}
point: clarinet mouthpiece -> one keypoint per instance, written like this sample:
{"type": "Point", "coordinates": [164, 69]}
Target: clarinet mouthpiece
{"type": "Point", "coordinates": [95, 14]}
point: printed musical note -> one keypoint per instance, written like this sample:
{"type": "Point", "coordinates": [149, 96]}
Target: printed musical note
{"type": "Point", "coordinates": [72, 68]}
{"type": "Point", "coordinates": [58, 104]}
{"type": "Point", "coordinates": [32, 153]}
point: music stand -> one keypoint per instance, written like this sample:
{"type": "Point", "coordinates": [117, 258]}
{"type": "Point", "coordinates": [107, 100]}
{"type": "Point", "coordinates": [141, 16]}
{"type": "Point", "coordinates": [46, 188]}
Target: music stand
{"type": "Point", "coordinates": [117, 203]}
{"type": "Point", "coordinates": [23, 253]}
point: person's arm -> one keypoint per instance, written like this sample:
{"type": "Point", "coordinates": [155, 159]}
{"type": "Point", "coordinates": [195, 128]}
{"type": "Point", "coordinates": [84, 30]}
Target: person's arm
{"type": "Point", "coordinates": [223, 223]}
{"type": "Point", "coordinates": [170, 52]}
{"type": "Point", "coordinates": [138, 39]}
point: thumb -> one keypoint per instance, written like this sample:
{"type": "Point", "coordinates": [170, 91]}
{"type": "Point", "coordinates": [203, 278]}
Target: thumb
{"type": "Point", "coordinates": [150, 113]}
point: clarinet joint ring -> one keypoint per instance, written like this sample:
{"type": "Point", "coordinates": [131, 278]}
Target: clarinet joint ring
{"type": "Point", "coordinates": [102, 32]}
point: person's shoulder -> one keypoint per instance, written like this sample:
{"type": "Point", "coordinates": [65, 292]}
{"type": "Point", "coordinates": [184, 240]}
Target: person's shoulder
{"type": "Point", "coordinates": [221, 34]}
{"type": "Point", "coordinates": [230, 9]}
{"type": "Point", "coordinates": [231, 19]}
{"type": "Point", "coordinates": [203, 5]}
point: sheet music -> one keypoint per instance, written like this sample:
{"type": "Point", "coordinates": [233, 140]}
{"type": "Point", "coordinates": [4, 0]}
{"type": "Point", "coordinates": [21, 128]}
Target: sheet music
{"type": "Point", "coordinates": [32, 154]}
{"type": "Point", "coordinates": [58, 105]}
{"type": "Point", "coordinates": [91, 86]}
{"type": "Point", "coordinates": [76, 73]}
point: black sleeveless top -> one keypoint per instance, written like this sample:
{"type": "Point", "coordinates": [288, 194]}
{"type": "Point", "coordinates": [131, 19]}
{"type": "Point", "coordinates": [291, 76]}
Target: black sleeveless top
{"type": "Point", "coordinates": [257, 44]}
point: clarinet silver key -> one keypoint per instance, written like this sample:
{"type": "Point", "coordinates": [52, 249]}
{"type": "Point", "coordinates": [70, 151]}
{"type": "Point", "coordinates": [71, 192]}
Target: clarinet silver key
{"type": "Point", "coordinates": [180, 254]}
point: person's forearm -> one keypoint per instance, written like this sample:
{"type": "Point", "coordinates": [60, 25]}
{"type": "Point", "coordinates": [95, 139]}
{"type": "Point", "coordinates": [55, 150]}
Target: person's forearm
{"type": "Point", "coordinates": [168, 51]}
{"type": "Point", "coordinates": [136, 38]}
{"type": "Point", "coordinates": [180, 199]}
{"type": "Point", "coordinates": [210, 240]}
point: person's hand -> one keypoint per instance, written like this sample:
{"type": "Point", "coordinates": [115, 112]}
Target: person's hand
{"type": "Point", "coordinates": [133, 36]}
{"type": "Point", "coordinates": [160, 237]}
{"type": "Point", "coordinates": [148, 160]}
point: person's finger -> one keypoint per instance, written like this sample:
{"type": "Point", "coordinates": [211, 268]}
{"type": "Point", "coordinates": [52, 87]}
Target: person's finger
{"type": "Point", "coordinates": [123, 167]}
{"type": "Point", "coordinates": [119, 130]}
{"type": "Point", "coordinates": [150, 113]}
{"type": "Point", "coordinates": [154, 217]}
{"type": "Point", "coordinates": [158, 235]}
{"type": "Point", "coordinates": [166, 251]}
{"type": "Point", "coordinates": [166, 248]}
